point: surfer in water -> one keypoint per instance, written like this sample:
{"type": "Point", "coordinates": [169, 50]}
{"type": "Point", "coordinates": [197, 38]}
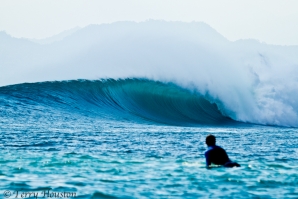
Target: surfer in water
{"type": "Point", "coordinates": [217, 155]}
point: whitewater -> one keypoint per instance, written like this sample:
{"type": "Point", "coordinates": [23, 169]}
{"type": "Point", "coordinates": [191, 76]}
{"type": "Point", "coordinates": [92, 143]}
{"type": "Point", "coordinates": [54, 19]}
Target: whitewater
{"type": "Point", "coordinates": [122, 110]}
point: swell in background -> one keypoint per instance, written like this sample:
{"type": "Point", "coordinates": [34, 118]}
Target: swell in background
{"type": "Point", "coordinates": [252, 82]}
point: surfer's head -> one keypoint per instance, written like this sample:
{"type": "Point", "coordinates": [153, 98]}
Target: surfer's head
{"type": "Point", "coordinates": [210, 140]}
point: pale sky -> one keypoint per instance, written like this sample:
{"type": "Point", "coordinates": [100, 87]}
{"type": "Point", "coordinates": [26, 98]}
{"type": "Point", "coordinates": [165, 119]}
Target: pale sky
{"type": "Point", "coordinates": [269, 21]}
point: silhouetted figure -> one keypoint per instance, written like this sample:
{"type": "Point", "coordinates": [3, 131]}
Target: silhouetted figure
{"type": "Point", "coordinates": [217, 155]}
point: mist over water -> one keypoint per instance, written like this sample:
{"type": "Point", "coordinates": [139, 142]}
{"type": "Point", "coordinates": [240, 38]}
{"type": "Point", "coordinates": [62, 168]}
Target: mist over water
{"type": "Point", "coordinates": [250, 81]}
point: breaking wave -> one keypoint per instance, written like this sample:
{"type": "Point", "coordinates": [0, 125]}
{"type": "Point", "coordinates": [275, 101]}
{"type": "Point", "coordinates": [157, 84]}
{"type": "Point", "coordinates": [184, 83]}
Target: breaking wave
{"type": "Point", "coordinates": [213, 79]}
{"type": "Point", "coordinates": [140, 100]}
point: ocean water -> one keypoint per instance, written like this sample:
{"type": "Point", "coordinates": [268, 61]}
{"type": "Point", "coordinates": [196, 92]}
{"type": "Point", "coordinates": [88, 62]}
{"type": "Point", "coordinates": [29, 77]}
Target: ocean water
{"type": "Point", "coordinates": [134, 138]}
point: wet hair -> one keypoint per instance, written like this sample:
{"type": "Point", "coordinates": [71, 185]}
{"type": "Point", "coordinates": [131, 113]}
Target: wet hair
{"type": "Point", "coordinates": [210, 140]}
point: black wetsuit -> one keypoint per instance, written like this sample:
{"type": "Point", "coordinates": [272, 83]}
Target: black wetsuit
{"type": "Point", "coordinates": [217, 155]}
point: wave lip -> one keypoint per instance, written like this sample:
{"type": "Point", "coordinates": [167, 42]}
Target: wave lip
{"type": "Point", "coordinates": [164, 103]}
{"type": "Point", "coordinates": [139, 100]}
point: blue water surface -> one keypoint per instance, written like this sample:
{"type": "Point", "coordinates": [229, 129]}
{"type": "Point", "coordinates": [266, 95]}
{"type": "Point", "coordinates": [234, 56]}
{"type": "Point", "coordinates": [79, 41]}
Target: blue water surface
{"type": "Point", "coordinates": [68, 145]}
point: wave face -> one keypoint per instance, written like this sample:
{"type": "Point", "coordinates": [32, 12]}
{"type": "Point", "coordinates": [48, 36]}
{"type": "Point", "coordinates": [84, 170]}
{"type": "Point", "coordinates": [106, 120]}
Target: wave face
{"type": "Point", "coordinates": [136, 100]}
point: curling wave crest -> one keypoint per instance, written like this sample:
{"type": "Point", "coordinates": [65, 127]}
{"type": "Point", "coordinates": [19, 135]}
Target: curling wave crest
{"type": "Point", "coordinates": [138, 100]}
